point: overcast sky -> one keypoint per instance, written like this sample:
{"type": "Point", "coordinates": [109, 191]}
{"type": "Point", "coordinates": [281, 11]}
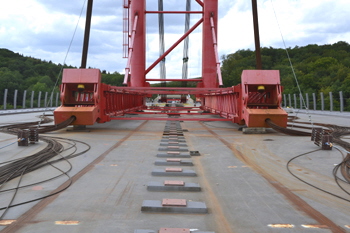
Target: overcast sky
{"type": "Point", "coordinates": [44, 28]}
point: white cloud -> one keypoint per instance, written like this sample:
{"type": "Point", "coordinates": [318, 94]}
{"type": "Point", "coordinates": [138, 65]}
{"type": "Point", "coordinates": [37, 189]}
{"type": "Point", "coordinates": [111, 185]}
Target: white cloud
{"type": "Point", "coordinates": [44, 29]}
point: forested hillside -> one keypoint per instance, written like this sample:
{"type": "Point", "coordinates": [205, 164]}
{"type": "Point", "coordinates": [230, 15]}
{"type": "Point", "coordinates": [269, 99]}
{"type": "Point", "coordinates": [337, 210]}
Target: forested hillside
{"type": "Point", "coordinates": [32, 74]}
{"type": "Point", "coordinates": [318, 68]}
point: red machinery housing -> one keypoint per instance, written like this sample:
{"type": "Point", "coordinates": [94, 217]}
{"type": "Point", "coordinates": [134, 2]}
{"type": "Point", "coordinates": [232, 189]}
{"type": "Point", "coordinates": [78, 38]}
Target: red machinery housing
{"type": "Point", "coordinates": [85, 97]}
{"type": "Point", "coordinates": [256, 99]}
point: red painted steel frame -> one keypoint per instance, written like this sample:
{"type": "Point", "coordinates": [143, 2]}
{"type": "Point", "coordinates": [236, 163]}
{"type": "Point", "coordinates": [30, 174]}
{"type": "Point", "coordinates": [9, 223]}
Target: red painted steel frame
{"type": "Point", "coordinates": [137, 52]}
{"type": "Point", "coordinates": [246, 105]}
{"type": "Point", "coordinates": [251, 103]}
{"type": "Point", "coordinates": [138, 60]}
{"type": "Point", "coordinates": [242, 104]}
{"type": "Point", "coordinates": [96, 102]}
{"type": "Point", "coordinates": [209, 74]}
{"type": "Point", "coordinates": [257, 106]}
{"type": "Point", "coordinates": [174, 46]}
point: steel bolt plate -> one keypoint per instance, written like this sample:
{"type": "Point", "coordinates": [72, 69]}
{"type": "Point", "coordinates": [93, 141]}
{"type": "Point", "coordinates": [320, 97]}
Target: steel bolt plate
{"type": "Point", "coordinates": [173, 160]}
{"type": "Point", "coordinates": [174, 183]}
{"type": "Point", "coordinates": [173, 152]}
{"type": "Point", "coordinates": [174, 230]}
{"type": "Point", "coordinates": [315, 226]}
{"type": "Point", "coordinates": [6, 222]}
{"type": "Point", "coordinates": [67, 222]}
{"type": "Point", "coordinates": [173, 169]}
{"type": "Point", "coordinates": [174, 202]}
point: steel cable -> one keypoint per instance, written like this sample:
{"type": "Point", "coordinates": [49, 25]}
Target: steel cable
{"type": "Point", "coordinates": [323, 190]}
{"type": "Point", "coordinates": [10, 170]}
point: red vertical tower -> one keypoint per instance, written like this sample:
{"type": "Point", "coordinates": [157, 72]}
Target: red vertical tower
{"type": "Point", "coordinates": [138, 61]}
{"type": "Point", "coordinates": [209, 73]}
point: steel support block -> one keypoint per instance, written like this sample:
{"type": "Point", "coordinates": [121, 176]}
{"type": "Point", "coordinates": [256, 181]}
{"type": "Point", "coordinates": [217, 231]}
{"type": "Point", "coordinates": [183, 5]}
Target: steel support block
{"type": "Point", "coordinates": [156, 206]}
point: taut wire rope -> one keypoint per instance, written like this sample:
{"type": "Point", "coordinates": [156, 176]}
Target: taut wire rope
{"type": "Point", "coordinates": [65, 58]}
{"type": "Point", "coordinates": [291, 65]}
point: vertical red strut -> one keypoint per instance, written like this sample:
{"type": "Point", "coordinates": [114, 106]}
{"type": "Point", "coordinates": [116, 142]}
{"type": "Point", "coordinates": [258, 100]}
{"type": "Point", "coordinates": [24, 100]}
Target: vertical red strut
{"type": "Point", "coordinates": [138, 60]}
{"type": "Point", "coordinates": [210, 9]}
{"type": "Point", "coordinates": [210, 62]}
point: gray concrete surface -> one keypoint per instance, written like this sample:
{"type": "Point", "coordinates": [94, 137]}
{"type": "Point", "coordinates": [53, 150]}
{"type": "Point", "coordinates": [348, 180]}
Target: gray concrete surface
{"type": "Point", "coordinates": [245, 184]}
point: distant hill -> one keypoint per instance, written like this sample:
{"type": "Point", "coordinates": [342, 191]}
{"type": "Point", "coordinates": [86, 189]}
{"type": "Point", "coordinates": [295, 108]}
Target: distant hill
{"type": "Point", "coordinates": [32, 74]}
{"type": "Point", "coordinates": [318, 68]}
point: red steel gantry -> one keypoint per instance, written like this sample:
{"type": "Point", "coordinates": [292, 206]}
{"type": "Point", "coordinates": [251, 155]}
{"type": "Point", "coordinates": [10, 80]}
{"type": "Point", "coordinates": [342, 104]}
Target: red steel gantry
{"type": "Point", "coordinates": [256, 99]}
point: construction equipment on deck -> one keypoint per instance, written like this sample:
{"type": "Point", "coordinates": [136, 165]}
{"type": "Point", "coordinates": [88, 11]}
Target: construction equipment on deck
{"type": "Point", "coordinates": [256, 99]}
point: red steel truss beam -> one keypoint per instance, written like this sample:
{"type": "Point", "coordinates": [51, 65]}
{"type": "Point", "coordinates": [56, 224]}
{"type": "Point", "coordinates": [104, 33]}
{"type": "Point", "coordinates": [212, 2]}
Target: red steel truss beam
{"type": "Point", "coordinates": [175, 12]}
{"type": "Point", "coordinates": [175, 80]}
{"type": "Point", "coordinates": [203, 90]}
{"type": "Point", "coordinates": [200, 2]}
{"type": "Point", "coordinates": [174, 45]}
{"type": "Point", "coordinates": [169, 119]}
{"type": "Point", "coordinates": [84, 96]}
{"type": "Point", "coordinates": [176, 108]}
{"type": "Point", "coordinates": [174, 90]}
{"type": "Point", "coordinates": [170, 113]}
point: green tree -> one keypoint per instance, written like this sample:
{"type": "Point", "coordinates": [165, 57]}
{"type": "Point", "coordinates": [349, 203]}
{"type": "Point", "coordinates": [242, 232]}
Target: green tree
{"type": "Point", "coordinates": [114, 79]}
